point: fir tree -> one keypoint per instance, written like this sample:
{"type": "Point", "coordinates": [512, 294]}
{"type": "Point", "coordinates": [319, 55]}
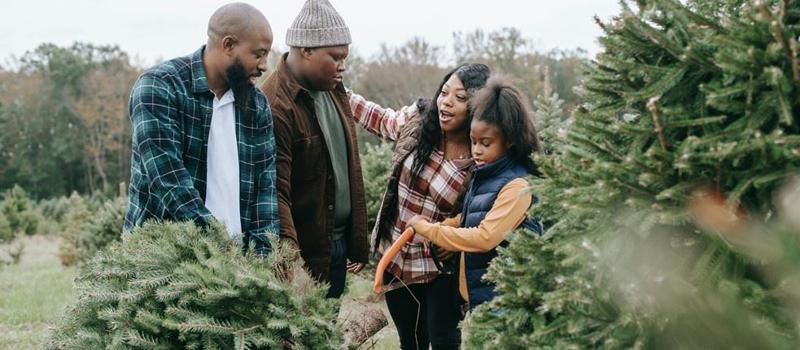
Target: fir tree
{"type": "Point", "coordinates": [551, 121]}
{"type": "Point", "coordinates": [18, 210]}
{"type": "Point", "coordinates": [376, 163]}
{"type": "Point", "coordinates": [6, 233]}
{"type": "Point", "coordinates": [103, 228]}
{"type": "Point", "coordinates": [175, 286]}
{"type": "Point", "coordinates": [682, 97]}
{"type": "Point", "coordinates": [75, 224]}
{"type": "Point", "coordinates": [54, 209]}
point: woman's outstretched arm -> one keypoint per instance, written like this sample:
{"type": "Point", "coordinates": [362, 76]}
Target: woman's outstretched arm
{"type": "Point", "coordinates": [383, 122]}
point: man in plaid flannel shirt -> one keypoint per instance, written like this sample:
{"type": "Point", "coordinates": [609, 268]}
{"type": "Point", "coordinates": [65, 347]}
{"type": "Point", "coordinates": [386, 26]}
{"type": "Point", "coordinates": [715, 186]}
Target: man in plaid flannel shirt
{"type": "Point", "coordinates": [195, 118]}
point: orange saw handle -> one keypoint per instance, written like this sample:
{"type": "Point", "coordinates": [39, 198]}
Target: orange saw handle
{"type": "Point", "coordinates": [407, 235]}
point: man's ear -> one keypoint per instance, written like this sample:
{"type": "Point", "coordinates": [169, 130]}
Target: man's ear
{"type": "Point", "coordinates": [229, 42]}
{"type": "Point", "coordinates": [307, 52]}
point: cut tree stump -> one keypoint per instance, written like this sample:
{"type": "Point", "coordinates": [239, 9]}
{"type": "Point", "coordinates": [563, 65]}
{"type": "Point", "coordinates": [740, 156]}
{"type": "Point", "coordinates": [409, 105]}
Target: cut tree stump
{"type": "Point", "coordinates": [362, 325]}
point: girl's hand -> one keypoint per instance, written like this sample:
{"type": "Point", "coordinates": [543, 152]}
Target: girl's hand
{"type": "Point", "coordinates": [415, 219]}
{"type": "Point", "coordinates": [443, 254]}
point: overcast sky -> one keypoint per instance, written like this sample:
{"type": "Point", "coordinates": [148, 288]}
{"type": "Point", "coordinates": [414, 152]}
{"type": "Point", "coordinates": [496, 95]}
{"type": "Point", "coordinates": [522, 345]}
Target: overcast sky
{"type": "Point", "coordinates": [164, 29]}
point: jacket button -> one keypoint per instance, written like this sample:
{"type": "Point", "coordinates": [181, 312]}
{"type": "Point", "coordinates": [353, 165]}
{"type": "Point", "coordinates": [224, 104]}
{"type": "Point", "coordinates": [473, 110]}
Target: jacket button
{"type": "Point", "coordinates": [330, 207]}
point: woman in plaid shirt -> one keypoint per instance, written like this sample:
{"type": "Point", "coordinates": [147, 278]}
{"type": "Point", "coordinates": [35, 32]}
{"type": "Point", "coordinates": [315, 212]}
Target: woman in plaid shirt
{"type": "Point", "coordinates": [430, 169]}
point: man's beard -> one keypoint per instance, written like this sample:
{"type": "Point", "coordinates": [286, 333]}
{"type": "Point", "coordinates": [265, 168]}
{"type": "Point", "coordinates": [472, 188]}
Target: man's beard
{"type": "Point", "coordinates": [239, 82]}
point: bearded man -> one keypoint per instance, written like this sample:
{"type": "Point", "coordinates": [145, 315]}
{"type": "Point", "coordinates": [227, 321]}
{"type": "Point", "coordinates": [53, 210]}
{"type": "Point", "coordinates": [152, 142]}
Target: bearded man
{"type": "Point", "coordinates": [203, 143]}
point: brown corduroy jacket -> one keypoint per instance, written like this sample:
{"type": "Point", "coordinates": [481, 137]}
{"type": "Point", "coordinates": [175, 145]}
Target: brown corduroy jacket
{"type": "Point", "coordinates": [306, 193]}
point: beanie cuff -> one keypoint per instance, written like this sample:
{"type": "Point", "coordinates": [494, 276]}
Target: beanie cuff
{"type": "Point", "coordinates": [320, 37]}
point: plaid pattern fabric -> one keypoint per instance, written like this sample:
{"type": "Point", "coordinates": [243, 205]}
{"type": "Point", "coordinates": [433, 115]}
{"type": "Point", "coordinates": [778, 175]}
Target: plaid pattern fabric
{"type": "Point", "coordinates": [170, 109]}
{"type": "Point", "coordinates": [433, 194]}
{"type": "Point", "coordinates": [383, 122]}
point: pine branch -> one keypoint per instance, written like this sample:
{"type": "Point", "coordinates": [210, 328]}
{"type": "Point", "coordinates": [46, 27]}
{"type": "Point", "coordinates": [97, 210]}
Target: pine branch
{"type": "Point", "coordinates": [651, 105]}
{"type": "Point", "coordinates": [775, 25]}
{"type": "Point", "coordinates": [194, 301]}
{"type": "Point", "coordinates": [795, 64]}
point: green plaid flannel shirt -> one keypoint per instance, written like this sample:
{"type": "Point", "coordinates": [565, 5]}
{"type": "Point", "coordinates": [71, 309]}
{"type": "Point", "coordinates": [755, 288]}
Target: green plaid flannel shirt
{"type": "Point", "coordinates": [170, 108]}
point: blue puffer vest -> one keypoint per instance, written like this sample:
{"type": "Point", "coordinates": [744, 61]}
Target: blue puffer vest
{"type": "Point", "coordinates": [487, 181]}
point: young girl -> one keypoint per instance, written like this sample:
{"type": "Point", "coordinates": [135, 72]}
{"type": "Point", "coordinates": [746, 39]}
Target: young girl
{"type": "Point", "coordinates": [503, 138]}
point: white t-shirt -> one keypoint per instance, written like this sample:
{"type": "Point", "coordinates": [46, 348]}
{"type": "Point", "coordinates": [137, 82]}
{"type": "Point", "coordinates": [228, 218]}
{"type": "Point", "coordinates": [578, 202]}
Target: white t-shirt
{"type": "Point", "coordinates": [222, 175]}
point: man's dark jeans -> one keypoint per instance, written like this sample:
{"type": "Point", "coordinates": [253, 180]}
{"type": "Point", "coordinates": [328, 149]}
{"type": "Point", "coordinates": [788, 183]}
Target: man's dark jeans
{"type": "Point", "coordinates": [338, 268]}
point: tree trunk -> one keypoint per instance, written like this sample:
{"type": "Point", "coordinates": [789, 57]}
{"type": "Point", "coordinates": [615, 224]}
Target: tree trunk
{"type": "Point", "coordinates": [362, 325]}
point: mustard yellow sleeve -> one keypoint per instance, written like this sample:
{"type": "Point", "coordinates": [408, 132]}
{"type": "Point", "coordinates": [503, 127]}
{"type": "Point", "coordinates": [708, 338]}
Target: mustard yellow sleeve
{"type": "Point", "coordinates": [452, 222]}
{"type": "Point", "coordinates": [508, 212]}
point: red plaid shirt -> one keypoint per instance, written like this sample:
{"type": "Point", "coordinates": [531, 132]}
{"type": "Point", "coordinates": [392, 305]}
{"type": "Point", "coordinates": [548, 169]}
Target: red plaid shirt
{"type": "Point", "coordinates": [433, 194]}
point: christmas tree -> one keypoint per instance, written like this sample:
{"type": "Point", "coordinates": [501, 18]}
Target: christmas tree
{"type": "Point", "coordinates": [19, 212]}
{"type": "Point", "coordinates": [689, 101]}
{"type": "Point", "coordinates": [551, 121]}
{"type": "Point", "coordinates": [6, 233]}
{"type": "Point", "coordinates": [75, 223]}
{"type": "Point", "coordinates": [376, 167]}
{"type": "Point", "coordinates": [103, 228]}
{"type": "Point", "coordinates": [175, 286]}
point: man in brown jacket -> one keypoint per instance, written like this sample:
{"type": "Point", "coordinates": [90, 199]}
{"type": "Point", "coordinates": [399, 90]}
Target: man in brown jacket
{"type": "Point", "coordinates": [320, 189]}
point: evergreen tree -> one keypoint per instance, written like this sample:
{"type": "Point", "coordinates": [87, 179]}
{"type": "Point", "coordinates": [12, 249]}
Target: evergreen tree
{"type": "Point", "coordinates": [52, 212]}
{"type": "Point", "coordinates": [6, 234]}
{"type": "Point", "coordinates": [175, 286]}
{"type": "Point", "coordinates": [376, 166]}
{"type": "Point", "coordinates": [76, 221]}
{"type": "Point", "coordinates": [681, 98]}
{"type": "Point", "coordinates": [551, 121]}
{"type": "Point", "coordinates": [54, 208]}
{"type": "Point", "coordinates": [103, 228]}
{"type": "Point", "coordinates": [19, 211]}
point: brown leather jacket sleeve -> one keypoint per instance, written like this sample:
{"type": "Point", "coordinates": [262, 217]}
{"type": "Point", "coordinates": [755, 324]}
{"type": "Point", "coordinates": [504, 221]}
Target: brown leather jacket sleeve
{"type": "Point", "coordinates": [284, 140]}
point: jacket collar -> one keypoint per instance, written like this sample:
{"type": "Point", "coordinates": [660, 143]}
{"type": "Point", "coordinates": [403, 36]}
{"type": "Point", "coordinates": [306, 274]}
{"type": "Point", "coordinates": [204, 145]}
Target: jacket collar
{"type": "Point", "coordinates": [199, 78]}
{"type": "Point", "coordinates": [287, 79]}
{"type": "Point", "coordinates": [493, 168]}
{"type": "Point", "coordinates": [290, 83]}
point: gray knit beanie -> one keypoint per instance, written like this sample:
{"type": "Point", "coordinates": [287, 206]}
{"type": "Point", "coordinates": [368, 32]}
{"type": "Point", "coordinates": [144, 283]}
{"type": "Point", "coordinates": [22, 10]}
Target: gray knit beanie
{"type": "Point", "coordinates": [318, 24]}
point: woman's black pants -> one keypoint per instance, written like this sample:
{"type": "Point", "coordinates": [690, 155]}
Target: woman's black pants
{"type": "Point", "coordinates": [427, 313]}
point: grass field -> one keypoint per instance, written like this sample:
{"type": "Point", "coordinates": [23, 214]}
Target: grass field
{"type": "Point", "coordinates": [34, 293]}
